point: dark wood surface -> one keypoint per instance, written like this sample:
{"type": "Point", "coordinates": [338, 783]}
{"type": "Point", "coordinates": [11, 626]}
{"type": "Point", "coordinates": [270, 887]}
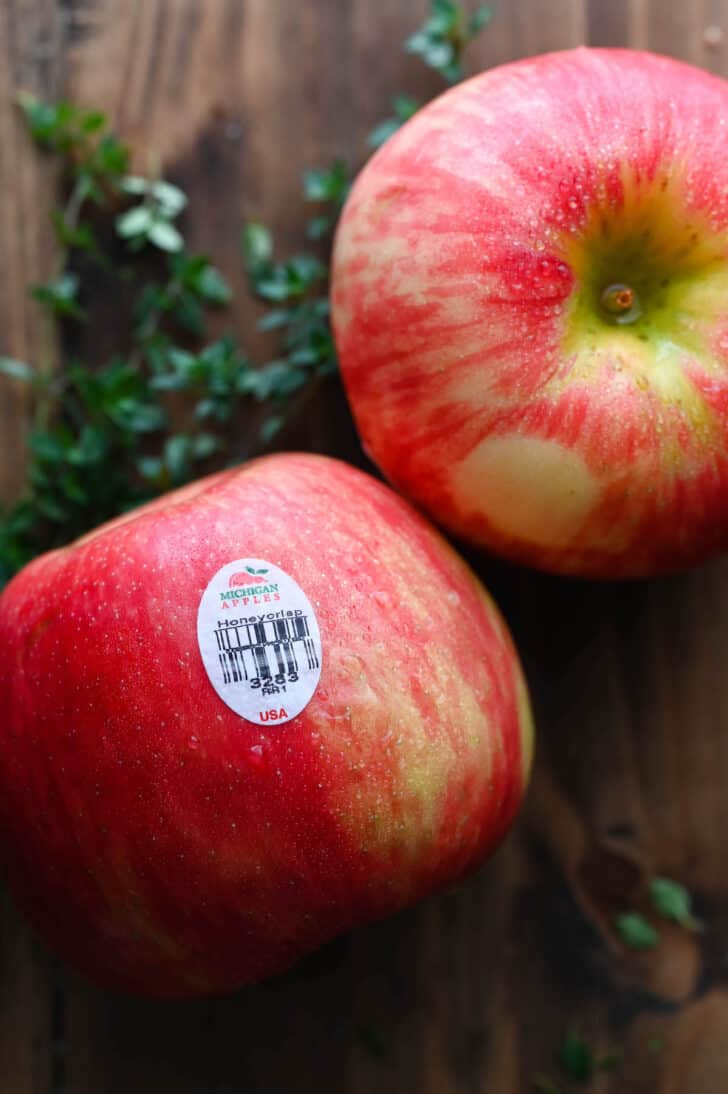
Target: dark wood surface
{"type": "Point", "coordinates": [473, 991]}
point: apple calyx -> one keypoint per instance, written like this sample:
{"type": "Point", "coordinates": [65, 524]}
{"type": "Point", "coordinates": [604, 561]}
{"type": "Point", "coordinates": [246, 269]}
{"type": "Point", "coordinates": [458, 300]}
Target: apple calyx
{"type": "Point", "coordinates": [619, 300]}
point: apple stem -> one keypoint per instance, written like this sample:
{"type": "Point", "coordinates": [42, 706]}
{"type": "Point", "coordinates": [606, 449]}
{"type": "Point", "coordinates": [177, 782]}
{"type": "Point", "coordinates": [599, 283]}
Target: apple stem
{"type": "Point", "coordinates": [618, 299]}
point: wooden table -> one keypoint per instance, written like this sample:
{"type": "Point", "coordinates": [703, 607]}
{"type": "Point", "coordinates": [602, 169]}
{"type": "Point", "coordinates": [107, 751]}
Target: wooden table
{"type": "Point", "coordinates": [474, 990]}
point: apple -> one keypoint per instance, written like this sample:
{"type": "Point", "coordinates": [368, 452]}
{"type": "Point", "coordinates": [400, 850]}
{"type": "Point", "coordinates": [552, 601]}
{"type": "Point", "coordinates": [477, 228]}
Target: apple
{"type": "Point", "coordinates": [530, 304]}
{"type": "Point", "coordinates": [201, 782]}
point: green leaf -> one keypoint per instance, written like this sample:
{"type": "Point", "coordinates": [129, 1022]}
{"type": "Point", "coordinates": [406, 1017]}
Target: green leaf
{"type": "Point", "coordinates": [576, 1058]}
{"type": "Point", "coordinates": [91, 448]}
{"type": "Point", "coordinates": [446, 14]}
{"type": "Point", "coordinates": [205, 445]}
{"type": "Point", "coordinates": [49, 447]}
{"type": "Point", "coordinates": [48, 122]}
{"type": "Point", "coordinates": [305, 268]}
{"type": "Point", "coordinates": [275, 289]}
{"type": "Point", "coordinates": [135, 222]}
{"type": "Point", "coordinates": [672, 901]}
{"type": "Point", "coordinates": [18, 370]}
{"type": "Point", "coordinates": [60, 295]}
{"type": "Point", "coordinates": [111, 157]}
{"type": "Point", "coordinates": [79, 236]}
{"type": "Point", "coordinates": [213, 287]}
{"type": "Point", "coordinates": [50, 508]}
{"type": "Point", "coordinates": [636, 932]}
{"type": "Point", "coordinates": [442, 39]}
{"type": "Point", "coordinates": [478, 21]}
{"type": "Point", "coordinates": [383, 132]}
{"type": "Point", "coordinates": [327, 184]}
{"type": "Point", "coordinates": [270, 428]}
{"type": "Point", "coordinates": [273, 320]}
{"type": "Point", "coordinates": [134, 184]}
{"type": "Point", "coordinates": [92, 121]}
{"type": "Point", "coordinates": [165, 236]}
{"type": "Point", "coordinates": [170, 198]}
{"type": "Point", "coordinates": [318, 227]}
{"type": "Point", "coordinates": [405, 107]}
{"type": "Point", "coordinates": [137, 417]}
{"type": "Point", "coordinates": [257, 246]}
{"type": "Point", "coordinates": [177, 450]}
{"type": "Point", "coordinates": [150, 468]}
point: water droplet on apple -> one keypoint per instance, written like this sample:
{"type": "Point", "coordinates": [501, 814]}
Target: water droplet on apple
{"type": "Point", "coordinates": [194, 742]}
{"type": "Point", "coordinates": [256, 756]}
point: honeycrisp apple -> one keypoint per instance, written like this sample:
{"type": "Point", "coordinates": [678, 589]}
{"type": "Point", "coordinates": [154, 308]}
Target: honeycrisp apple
{"type": "Point", "coordinates": [531, 309]}
{"type": "Point", "coordinates": [202, 778]}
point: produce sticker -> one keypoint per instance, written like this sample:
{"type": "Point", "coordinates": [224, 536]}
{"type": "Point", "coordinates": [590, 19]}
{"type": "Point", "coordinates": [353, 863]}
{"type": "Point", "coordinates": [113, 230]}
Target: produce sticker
{"type": "Point", "coordinates": [260, 641]}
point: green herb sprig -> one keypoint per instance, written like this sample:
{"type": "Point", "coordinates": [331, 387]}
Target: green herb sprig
{"type": "Point", "coordinates": [109, 434]}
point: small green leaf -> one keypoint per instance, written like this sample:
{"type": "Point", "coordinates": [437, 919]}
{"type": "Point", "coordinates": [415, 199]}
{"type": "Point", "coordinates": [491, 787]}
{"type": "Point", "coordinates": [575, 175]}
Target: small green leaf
{"type": "Point", "coordinates": [318, 227]}
{"type": "Point", "coordinates": [165, 236]}
{"type": "Point", "coordinates": [135, 222]}
{"type": "Point", "coordinates": [92, 121]}
{"type": "Point", "coordinates": [137, 417]}
{"type": "Point", "coordinates": [576, 1058]}
{"type": "Point", "coordinates": [478, 21]}
{"type": "Point", "coordinates": [134, 184]}
{"type": "Point", "coordinates": [636, 932]}
{"type": "Point", "coordinates": [111, 157]}
{"type": "Point", "coordinates": [205, 445]}
{"type": "Point", "coordinates": [170, 198]}
{"type": "Point", "coordinates": [79, 236]}
{"type": "Point", "coordinates": [327, 184]}
{"type": "Point", "coordinates": [177, 457]}
{"type": "Point", "coordinates": [257, 245]}
{"type": "Point", "coordinates": [383, 132]}
{"type": "Point", "coordinates": [60, 295]}
{"type": "Point", "coordinates": [448, 12]}
{"type": "Point", "coordinates": [672, 901]}
{"type": "Point", "coordinates": [274, 319]}
{"type": "Point", "coordinates": [275, 289]}
{"type": "Point", "coordinates": [150, 468]}
{"type": "Point", "coordinates": [213, 287]}
{"type": "Point", "coordinates": [18, 370]}
{"type": "Point", "coordinates": [270, 428]}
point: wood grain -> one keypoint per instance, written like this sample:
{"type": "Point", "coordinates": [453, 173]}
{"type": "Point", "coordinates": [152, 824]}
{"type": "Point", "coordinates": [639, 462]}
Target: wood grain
{"type": "Point", "coordinates": [473, 991]}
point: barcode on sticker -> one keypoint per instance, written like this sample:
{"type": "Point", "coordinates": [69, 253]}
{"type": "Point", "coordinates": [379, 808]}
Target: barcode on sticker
{"type": "Point", "coordinates": [261, 653]}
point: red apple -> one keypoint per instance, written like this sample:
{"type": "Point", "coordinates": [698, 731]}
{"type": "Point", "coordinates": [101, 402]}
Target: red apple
{"type": "Point", "coordinates": [530, 304]}
{"type": "Point", "coordinates": [167, 845]}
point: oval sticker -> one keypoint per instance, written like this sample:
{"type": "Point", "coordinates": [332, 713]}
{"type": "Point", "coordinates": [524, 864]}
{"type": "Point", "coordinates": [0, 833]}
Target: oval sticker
{"type": "Point", "coordinates": [259, 640]}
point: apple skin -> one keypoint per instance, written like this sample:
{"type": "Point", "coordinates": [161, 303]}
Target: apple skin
{"type": "Point", "coordinates": [168, 847]}
{"type": "Point", "coordinates": [490, 379]}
